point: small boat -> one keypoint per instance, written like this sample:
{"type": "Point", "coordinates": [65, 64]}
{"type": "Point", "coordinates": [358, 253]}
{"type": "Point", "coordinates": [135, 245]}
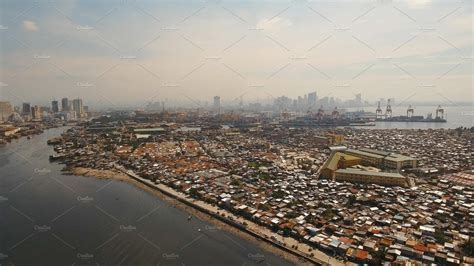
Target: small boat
{"type": "Point", "coordinates": [56, 157]}
{"type": "Point", "coordinates": [189, 217]}
{"type": "Point", "coordinates": [54, 141]}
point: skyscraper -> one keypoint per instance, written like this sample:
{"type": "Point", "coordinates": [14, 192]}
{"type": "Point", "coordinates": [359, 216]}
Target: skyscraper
{"type": "Point", "coordinates": [312, 98]}
{"type": "Point", "coordinates": [55, 106]}
{"type": "Point", "coordinates": [217, 102]}
{"type": "Point", "coordinates": [65, 104]}
{"type": "Point", "coordinates": [26, 109]}
{"type": "Point", "coordinates": [36, 112]}
{"type": "Point", "coordinates": [77, 107]}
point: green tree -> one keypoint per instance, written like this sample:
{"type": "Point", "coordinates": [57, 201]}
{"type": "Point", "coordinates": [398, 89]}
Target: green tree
{"type": "Point", "coordinates": [193, 192]}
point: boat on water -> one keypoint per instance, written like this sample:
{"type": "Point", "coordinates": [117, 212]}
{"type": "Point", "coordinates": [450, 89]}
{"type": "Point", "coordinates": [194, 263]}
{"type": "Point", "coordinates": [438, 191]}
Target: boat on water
{"type": "Point", "coordinates": [54, 141]}
{"type": "Point", "coordinates": [441, 116]}
{"type": "Point", "coordinates": [402, 118]}
{"type": "Point", "coordinates": [56, 157]}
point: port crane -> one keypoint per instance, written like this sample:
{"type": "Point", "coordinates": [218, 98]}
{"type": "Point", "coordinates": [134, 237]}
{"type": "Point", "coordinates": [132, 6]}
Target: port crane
{"type": "Point", "coordinates": [410, 111]}
{"type": "Point", "coordinates": [378, 112]}
{"type": "Point", "coordinates": [439, 112]}
{"type": "Point", "coordinates": [388, 110]}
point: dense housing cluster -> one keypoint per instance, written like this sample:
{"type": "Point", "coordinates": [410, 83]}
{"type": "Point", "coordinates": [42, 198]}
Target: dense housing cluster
{"type": "Point", "coordinates": [274, 176]}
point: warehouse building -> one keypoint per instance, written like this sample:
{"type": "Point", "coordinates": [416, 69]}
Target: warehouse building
{"type": "Point", "coordinates": [338, 160]}
{"type": "Point", "coordinates": [383, 159]}
{"type": "Point", "coordinates": [369, 177]}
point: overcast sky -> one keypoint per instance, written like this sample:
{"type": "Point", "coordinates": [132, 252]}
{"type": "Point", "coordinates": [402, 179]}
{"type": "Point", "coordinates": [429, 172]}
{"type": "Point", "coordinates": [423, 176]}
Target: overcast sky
{"type": "Point", "coordinates": [131, 52]}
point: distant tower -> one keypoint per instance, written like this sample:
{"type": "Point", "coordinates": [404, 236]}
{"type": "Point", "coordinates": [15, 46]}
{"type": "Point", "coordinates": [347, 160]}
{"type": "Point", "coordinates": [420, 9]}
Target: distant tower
{"type": "Point", "coordinates": [312, 98]}
{"type": "Point", "coordinates": [388, 110]}
{"type": "Point", "coordinates": [439, 112]}
{"type": "Point", "coordinates": [378, 112]}
{"type": "Point", "coordinates": [77, 107]}
{"type": "Point", "coordinates": [26, 109]}
{"type": "Point", "coordinates": [410, 111]}
{"type": "Point", "coordinates": [55, 106]}
{"type": "Point", "coordinates": [36, 112]}
{"type": "Point", "coordinates": [65, 105]}
{"type": "Point", "coordinates": [217, 102]}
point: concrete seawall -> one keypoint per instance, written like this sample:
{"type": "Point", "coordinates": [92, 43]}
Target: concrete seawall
{"type": "Point", "coordinates": [223, 219]}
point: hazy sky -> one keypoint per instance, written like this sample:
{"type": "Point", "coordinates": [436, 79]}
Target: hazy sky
{"type": "Point", "coordinates": [130, 52]}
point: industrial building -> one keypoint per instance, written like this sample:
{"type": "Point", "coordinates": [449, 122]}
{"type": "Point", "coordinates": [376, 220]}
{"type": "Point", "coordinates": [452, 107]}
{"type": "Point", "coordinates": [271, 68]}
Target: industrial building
{"type": "Point", "coordinates": [346, 165]}
{"type": "Point", "coordinates": [354, 175]}
{"type": "Point", "coordinates": [329, 139]}
{"type": "Point", "coordinates": [383, 159]}
{"type": "Point", "coordinates": [336, 161]}
{"type": "Point", "coordinates": [149, 131]}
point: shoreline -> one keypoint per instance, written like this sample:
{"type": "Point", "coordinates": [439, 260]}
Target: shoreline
{"type": "Point", "coordinates": [201, 211]}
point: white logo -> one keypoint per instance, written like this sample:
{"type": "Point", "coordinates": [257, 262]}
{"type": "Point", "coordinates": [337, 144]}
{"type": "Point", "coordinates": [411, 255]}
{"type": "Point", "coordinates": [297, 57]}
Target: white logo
{"type": "Point", "coordinates": [171, 256]}
{"type": "Point", "coordinates": [128, 228]}
{"type": "Point", "coordinates": [84, 27]}
{"type": "Point", "coordinates": [85, 199]}
{"type": "Point", "coordinates": [41, 56]}
{"type": "Point", "coordinates": [42, 228]}
{"type": "Point", "coordinates": [42, 171]}
{"type": "Point", "coordinates": [85, 256]}
{"type": "Point", "coordinates": [85, 84]}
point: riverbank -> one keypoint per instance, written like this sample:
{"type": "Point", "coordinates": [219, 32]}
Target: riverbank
{"type": "Point", "coordinates": [220, 218]}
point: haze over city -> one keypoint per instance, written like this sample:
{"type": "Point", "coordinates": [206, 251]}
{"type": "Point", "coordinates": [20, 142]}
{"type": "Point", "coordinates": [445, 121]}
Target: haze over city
{"type": "Point", "coordinates": [127, 53]}
{"type": "Point", "coordinates": [225, 132]}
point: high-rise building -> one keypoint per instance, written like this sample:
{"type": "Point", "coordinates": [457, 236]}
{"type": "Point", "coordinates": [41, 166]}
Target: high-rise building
{"type": "Point", "coordinates": [324, 101]}
{"type": "Point", "coordinates": [65, 105]}
{"type": "Point", "coordinates": [36, 112]}
{"type": "Point", "coordinates": [26, 109]}
{"type": "Point", "coordinates": [217, 102]}
{"type": "Point", "coordinates": [6, 109]}
{"type": "Point", "coordinates": [77, 107]}
{"type": "Point", "coordinates": [55, 106]}
{"type": "Point", "coordinates": [312, 98]}
{"type": "Point", "coordinates": [300, 102]}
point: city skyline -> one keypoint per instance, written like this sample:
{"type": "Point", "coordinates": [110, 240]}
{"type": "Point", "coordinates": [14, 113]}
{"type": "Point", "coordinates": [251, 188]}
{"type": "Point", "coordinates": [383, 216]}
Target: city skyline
{"type": "Point", "coordinates": [224, 132]}
{"type": "Point", "coordinates": [188, 52]}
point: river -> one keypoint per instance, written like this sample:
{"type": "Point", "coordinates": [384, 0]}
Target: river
{"type": "Point", "coordinates": [47, 218]}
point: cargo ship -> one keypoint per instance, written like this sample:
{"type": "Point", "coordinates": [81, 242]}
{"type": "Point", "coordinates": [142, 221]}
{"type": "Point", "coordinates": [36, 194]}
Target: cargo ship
{"type": "Point", "coordinates": [428, 119]}
{"type": "Point", "coordinates": [441, 116]}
